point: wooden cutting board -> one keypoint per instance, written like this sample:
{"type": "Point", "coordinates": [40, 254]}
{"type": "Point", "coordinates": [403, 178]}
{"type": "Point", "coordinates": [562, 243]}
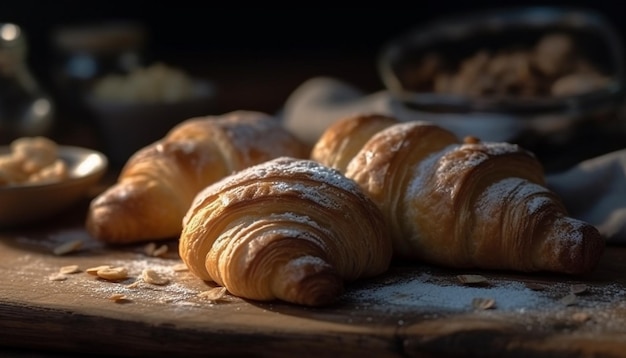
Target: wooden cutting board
{"type": "Point", "coordinates": [411, 311]}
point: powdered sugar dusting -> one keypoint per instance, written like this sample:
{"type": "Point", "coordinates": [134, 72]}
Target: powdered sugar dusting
{"type": "Point", "coordinates": [469, 155]}
{"type": "Point", "coordinates": [403, 127]}
{"type": "Point", "coordinates": [300, 266]}
{"type": "Point", "coordinates": [307, 192]}
{"type": "Point", "coordinates": [419, 177]}
{"type": "Point", "coordinates": [493, 148]}
{"type": "Point", "coordinates": [533, 197]}
{"type": "Point", "coordinates": [455, 159]}
{"type": "Point", "coordinates": [245, 129]}
{"type": "Point", "coordinates": [308, 260]}
{"type": "Point", "coordinates": [302, 219]}
{"type": "Point", "coordinates": [424, 292]}
{"type": "Point", "coordinates": [450, 165]}
{"type": "Point", "coordinates": [514, 190]}
{"type": "Point", "coordinates": [569, 232]}
{"type": "Point", "coordinates": [281, 171]}
{"type": "Point", "coordinates": [174, 292]}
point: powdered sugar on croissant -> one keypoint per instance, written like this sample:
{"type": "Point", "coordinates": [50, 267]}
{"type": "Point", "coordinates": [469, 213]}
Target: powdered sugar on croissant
{"type": "Point", "coordinates": [287, 229]}
{"type": "Point", "coordinates": [158, 183]}
{"type": "Point", "coordinates": [465, 204]}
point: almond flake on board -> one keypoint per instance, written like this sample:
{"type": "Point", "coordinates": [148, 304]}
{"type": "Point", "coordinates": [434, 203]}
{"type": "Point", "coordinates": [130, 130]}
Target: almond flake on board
{"type": "Point", "coordinates": [117, 273]}
{"type": "Point", "coordinates": [152, 277]}
{"type": "Point", "coordinates": [581, 317]}
{"type": "Point", "coordinates": [134, 284]}
{"type": "Point", "coordinates": [214, 294]}
{"type": "Point", "coordinates": [536, 286]}
{"type": "Point", "coordinates": [181, 267]}
{"type": "Point", "coordinates": [578, 289]}
{"type": "Point", "coordinates": [152, 250]}
{"type": "Point", "coordinates": [68, 247]}
{"type": "Point", "coordinates": [118, 298]}
{"type": "Point", "coordinates": [149, 248]}
{"type": "Point", "coordinates": [569, 299]}
{"type": "Point", "coordinates": [69, 269]}
{"type": "Point", "coordinates": [57, 276]}
{"type": "Point", "coordinates": [472, 279]}
{"type": "Point", "coordinates": [160, 251]}
{"type": "Point", "coordinates": [483, 303]}
{"type": "Point", "coordinates": [94, 270]}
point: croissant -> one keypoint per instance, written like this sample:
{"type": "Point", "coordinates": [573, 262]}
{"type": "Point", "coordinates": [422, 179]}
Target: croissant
{"type": "Point", "coordinates": [288, 229]}
{"type": "Point", "coordinates": [158, 183]}
{"type": "Point", "coordinates": [461, 204]}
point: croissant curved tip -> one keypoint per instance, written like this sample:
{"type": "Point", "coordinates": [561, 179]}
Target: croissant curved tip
{"type": "Point", "coordinates": [578, 245]}
{"type": "Point", "coordinates": [308, 281]}
{"type": "Point", "coordinates": [592, 249]}
{"type": "Point", "coordinates": [321, 289]}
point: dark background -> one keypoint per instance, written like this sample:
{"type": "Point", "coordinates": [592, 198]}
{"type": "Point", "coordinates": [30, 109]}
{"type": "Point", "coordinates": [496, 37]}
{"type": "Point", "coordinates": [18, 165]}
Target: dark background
{"type": "Point", "coordinates": [256, 57]}
{"type": "Point", "coordinates": [299, 41]}
{"type": "Point", "coordinates": [199, 27]}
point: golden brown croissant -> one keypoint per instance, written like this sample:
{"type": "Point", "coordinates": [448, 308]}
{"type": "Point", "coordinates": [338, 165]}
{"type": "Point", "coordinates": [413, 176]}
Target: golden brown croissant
{"type": "Point", "coordinates": [157, 184]}
{"type": "Point", "coordinates": [287, 229]}
{"type": "Point", "coordinates": [459, 204]}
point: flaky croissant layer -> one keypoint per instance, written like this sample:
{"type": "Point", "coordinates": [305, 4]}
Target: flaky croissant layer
{"type": "Point", "coordinates": [459, 203]}
{"type": "Point", "coordinates": [288, 229]}
{"type": "Point", "coordinates": [158, 183]}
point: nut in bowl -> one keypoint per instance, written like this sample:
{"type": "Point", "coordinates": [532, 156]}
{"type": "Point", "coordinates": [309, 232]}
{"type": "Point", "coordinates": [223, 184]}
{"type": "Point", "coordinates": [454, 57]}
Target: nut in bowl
{"type": "Point", "coordinates": [539, 76]}
{"type": "Point", "coordinates": [135, 109]}
{"type": "Point", "coordinates": [39, 178]}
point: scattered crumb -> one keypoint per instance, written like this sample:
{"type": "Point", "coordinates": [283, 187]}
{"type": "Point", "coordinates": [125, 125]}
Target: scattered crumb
{"type": "Point", "coordinates": [578, 289]}
{"type": "Point", "coordinates": [152, 250]}
{"type": "Point", "coordinates": [69, 269]}
{"type": "Point", "coordinates": [180, 267]}
{"type": "Point", "coordinates": [153, 277]}
{"type": "Point", "coordinates": [134, 284]}
{"type": "Point", "coordinates": [68, 247]}
{"type": "Point", "coordinates": [569, 300]}
{"type": "Point", "coordinates": [581, 317]}
{"type": "Point", "coordinates": [57, 276]}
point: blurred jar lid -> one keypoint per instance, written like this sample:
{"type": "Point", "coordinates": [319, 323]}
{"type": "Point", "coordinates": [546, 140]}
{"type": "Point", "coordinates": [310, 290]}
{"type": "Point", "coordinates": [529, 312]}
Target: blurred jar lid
{"type": "Point", "coordinates": [12, 45]}
{"type": "Point", "coordinates": [11, 35]}
{"type": "Point", "coordinates": [100, 37]}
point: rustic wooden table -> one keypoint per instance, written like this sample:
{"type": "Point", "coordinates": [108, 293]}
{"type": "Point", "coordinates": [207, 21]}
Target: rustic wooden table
{"type": "Point", "coordinates": [411, 311]}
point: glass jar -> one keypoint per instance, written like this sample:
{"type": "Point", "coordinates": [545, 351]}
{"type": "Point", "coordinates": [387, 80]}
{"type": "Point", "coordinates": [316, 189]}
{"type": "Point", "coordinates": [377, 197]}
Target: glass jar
{"type": "Point", "coordinates": [85, 52]}
{"type": "Point", "coordinates": [25, 109]}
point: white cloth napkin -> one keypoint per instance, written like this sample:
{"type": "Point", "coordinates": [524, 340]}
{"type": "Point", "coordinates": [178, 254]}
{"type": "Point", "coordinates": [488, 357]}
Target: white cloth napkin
{"type": "Point", "coordinates": [593, 190]}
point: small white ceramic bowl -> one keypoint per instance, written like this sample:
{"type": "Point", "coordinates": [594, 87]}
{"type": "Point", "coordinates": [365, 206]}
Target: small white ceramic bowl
{"type": "Point", "coordinates": [28, 203]}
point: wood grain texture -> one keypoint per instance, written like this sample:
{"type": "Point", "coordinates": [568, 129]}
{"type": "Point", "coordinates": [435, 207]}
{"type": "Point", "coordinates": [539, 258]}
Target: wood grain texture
{"type": "Point", "coordinates": [411, 311]}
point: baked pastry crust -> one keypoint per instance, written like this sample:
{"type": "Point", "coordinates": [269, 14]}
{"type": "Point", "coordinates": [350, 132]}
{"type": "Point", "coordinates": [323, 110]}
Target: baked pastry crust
{"type": "Point", "coordinates": [158, 183]}
{"type": "Point", "coordinates": [461, 203]}
{"type": "Point", "coordinates": [287, 229]}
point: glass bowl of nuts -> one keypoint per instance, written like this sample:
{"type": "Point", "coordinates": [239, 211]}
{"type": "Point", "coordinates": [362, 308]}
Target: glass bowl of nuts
{"type": "Point", "coordinates": [544, 77]}
{"type": "Point", "coordinates": [39, 178]}
{"type": "Point", "coordinates": [134, 109]}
